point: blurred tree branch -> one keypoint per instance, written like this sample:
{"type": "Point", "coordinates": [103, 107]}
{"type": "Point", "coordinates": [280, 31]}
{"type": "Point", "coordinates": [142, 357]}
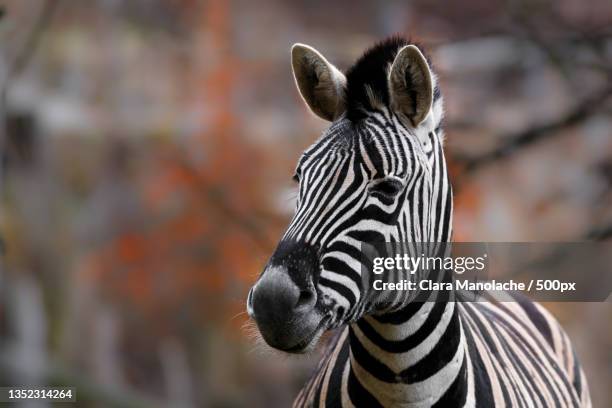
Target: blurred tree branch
{"type": "Point", "coordinates": [31, 43]}
{"type": "Point", "coordinates": [514, 143]}
{"type": "Point", "coordinates": [600, 233]}
{"type": "Point", "coordinates": [244, 223]}
{"type": "Point", "coordinates": [18, 64]}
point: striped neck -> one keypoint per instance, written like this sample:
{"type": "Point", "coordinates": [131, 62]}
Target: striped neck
{"type": "Point", "coordinates": [412, 357]}
{"type": "Point", "coordinates": [416, 355]}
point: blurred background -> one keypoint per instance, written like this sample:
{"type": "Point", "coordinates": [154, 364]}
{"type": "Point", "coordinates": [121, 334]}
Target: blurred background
{"type": "Point", "coordinates": [147, 153]}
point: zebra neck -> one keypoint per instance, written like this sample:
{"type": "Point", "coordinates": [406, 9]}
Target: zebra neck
{"type": "Point", "coordinates": [412, 357]}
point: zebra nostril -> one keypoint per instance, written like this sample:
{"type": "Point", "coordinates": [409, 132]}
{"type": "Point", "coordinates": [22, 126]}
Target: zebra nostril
{"type": "Point", "coordinates": [306, 299]}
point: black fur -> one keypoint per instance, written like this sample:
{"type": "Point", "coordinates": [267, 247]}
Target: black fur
{"type": "Point", "coordinates": [372, 70]}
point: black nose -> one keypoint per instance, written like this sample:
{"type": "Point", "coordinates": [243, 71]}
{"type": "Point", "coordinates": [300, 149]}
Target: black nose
{"type": "Point", "coordinates": [283, 302]}
{"type": "Point", "coordinates": [276, 299]}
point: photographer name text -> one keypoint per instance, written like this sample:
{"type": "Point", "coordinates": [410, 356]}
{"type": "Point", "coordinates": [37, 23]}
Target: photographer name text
{"type": "Point", "coordinates": [540, 285]}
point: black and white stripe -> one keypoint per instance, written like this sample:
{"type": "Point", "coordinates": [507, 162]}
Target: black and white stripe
{"type": "Point", "coordinates": [373, 178]}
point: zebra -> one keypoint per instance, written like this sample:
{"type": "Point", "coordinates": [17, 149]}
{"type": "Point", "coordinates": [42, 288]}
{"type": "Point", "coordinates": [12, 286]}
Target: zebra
{"type": "Point", "coordinates": [378, 173]}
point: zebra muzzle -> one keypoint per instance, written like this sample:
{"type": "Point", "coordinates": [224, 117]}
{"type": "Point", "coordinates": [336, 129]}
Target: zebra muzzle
{"type": "Point", "coordinates": [284, 311]}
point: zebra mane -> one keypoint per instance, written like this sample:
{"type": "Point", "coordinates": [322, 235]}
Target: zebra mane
{"type": "Point", "coordinates": [366, 80]}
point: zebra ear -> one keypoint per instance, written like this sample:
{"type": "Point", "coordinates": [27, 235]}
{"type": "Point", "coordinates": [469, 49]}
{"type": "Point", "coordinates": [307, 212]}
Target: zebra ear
{"type": "Point", "coordinates": [319, 82]}
{"type": "Point", "coordinates": [410, 84]}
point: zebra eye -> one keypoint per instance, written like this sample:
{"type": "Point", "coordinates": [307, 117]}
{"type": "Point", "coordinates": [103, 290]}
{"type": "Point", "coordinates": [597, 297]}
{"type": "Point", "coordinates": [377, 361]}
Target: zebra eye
{"type": "Point", "coordinates": [296, 178]}
{"type": "Point", "coordinates": [386, 187]}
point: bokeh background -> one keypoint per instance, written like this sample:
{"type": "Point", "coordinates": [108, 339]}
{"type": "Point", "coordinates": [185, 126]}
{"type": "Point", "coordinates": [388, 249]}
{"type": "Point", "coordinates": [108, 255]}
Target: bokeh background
{"type": "Point", "coordinates": [147, 150]}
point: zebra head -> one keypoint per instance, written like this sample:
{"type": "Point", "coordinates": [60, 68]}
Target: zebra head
{"type": "Point", "coordinates": [376, 174]}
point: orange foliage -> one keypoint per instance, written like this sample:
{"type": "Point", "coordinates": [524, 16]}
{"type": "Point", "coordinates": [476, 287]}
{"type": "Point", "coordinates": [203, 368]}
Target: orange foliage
{"type": "Point", "coordinates": [203, 244]}
{"type": "Point", "coordinates": [196, 246]}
